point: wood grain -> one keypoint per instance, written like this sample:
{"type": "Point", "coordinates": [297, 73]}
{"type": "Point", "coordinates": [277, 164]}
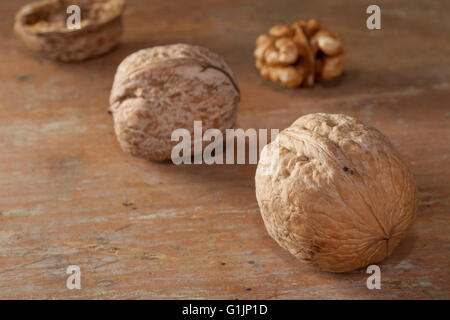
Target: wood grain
{"type": "Point", "coordinates": [143, 230]}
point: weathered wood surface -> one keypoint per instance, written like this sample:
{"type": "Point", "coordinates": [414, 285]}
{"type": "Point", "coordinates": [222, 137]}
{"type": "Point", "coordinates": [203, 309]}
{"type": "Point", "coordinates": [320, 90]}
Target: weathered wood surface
{"type": "Point", "coordinates": [142, 230]}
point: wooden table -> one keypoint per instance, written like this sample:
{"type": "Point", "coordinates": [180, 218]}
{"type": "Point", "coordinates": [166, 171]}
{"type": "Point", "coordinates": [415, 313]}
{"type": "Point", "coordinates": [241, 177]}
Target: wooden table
{"type": "Point", "coordinates": [143, 230]}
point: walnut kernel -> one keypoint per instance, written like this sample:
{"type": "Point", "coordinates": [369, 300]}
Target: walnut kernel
{"type": "Point", "coordinates": [299, 54]}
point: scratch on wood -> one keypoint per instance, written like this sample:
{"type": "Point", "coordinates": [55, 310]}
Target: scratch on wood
{"type": "Point", "coordinates": [124, 227]}
{"type": "Point", "coordinates": [160, 214]}
{"type": "Point", "coordinates": [116, 250]}
{"type": "Point", "coordinates": [23, 212]}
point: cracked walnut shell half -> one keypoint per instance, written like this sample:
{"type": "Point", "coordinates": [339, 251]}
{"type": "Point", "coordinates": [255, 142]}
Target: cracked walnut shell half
{"type": "Point", "coordinates": [164, 88]}
{"type": "Point", "coordinates": [337, 196]}
{"type": "Point", "coordinates": [42, 26]}
{"type": "Point", "coordinates": [300, 54]}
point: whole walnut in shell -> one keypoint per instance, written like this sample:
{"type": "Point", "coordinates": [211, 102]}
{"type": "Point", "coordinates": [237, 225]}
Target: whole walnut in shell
{"type": "Point", "coordinates": [164, 88]}
{"type": "Point", "coordinates": [42, 26]}
{"type": "Point", "coordinates": [337, 194]}
{"type": "Point", "coordinates": [300, 54]}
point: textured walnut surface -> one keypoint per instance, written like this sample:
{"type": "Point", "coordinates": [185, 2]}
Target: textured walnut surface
{"type": "Point", "coordinates": [300, 54]}
{"type": "Point", "coordinates": [164, 88]}
{"type": "Point", "coordinates": [42, 26]}
{"type": "Point", "coordinates": [339, 197]}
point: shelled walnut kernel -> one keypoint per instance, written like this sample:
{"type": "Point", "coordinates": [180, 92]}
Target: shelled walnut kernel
{"type": "Point", "coordinates": [300, 54]}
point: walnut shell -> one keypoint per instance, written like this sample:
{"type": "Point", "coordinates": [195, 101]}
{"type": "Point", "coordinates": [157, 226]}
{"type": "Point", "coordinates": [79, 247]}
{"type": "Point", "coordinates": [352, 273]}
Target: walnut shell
{"type": "Point", "coordinates": [164, 88]}
{"type": "Point", "coordinates": [338, 195]}
{"type": "Point", "coordinates": [42, 26]}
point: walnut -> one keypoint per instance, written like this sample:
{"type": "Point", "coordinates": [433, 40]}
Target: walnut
{"type": "Point", "coordinates": [42, 26]}
{"type": "Point", "coordinates": [338, 196]}
{"type": "Point", "coordinates": [299, 54]}
{"type": "Point", "coordinates": [164, 88]}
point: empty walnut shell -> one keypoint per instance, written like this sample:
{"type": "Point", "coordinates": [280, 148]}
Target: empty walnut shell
{"type": "Point", "coordinates": [337, 194]}
{"type": "Point", "coordinates": [164, 88]}
{"type": "Point", "coordinates": [42, 26]}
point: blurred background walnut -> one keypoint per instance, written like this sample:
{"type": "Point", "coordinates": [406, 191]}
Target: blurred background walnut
{"type": "Point", "coordinates": [300, 54]}
{"type": "Point", "coordinates": [164, 88]}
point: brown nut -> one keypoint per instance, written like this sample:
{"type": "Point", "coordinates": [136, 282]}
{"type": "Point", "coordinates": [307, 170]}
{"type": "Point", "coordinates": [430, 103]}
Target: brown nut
{"type": "Point", "coordinates": [161, 89]}
{"type": "Point", "coordinates": [283, 51]}
{"type": "Point", "coordinates": [280, 30]}
{"type": "Point", "coordinates": [306, 65]}
{"type": "Point", "coordinates": [305, 47]}
{"type": "Point", "coordinates": [287, 75]}
{"type": "Point", "coordinates": [263, 42]}
{"type": "Point", "coordinates": [42, 26]}
{"type": "Point", "coordinates": [311, 27]}
{"type": "Point", "coordinates": [332, 66]}
{"type": "Point", "coordinates": [330, 43]}
{"type": "Point", "coordinates": [337, 194]}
